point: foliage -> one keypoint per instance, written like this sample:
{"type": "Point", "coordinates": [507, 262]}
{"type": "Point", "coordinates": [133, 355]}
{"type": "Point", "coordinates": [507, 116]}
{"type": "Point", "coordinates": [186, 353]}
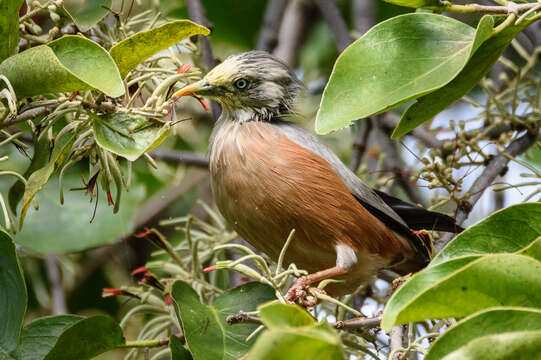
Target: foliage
{"type": "Point", "coordinates": [87, 91]}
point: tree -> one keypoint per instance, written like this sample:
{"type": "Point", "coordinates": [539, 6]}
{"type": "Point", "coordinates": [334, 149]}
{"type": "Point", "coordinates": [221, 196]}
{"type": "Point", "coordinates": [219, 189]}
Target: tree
{"type": "Point", "coordinates": [90, 96]}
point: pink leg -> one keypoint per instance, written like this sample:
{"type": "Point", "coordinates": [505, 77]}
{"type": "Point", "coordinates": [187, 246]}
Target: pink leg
{"type": "Point", "coordinates": [298, 291]}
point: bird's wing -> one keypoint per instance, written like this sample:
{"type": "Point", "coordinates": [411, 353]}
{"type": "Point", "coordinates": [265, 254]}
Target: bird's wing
{"type": "Point", "coordinates": [358, 188]}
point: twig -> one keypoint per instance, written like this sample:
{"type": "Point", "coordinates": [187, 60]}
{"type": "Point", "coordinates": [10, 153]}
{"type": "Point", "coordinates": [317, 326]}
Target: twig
{"type": "Point", "coordinates": [359, 146]}
{"type": "Point", "coordinates": [336, 23]}
{"type": "Point", "coordinates": [57, 292]}
{"type": "Point", "coordinates": [510, 8]}
{"type": "Point", "coordinates": [364, 15]}
{"type": "Point", "coordinates": [495, 167]}
{"type": "Point", "coordinates": [28, 114]}
{"type": "Point", "coordinates": [268, 36]}
{"type": "Point", "coordinates": [390, 121]}
{"type": "Point", "coordinates": [361, 323]}
{"type": "Point", "coordinates": [396, 340]}
{"type": "Point", "coordinates": [242, 317]}
{"type": "Point", "coordinates": [181, 157]}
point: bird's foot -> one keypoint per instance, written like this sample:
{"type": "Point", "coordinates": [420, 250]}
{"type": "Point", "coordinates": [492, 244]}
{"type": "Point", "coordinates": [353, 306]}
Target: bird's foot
{"type": "Point", "coordinates": [303, 294]}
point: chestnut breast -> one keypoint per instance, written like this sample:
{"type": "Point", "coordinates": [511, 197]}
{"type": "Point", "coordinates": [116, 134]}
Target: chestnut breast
{"type": "Point", "coordinates": [265, 185]}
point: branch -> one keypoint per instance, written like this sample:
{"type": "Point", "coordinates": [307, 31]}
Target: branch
{"type": "Point", "coordinates": [361, 323]}
{"type": "Point", "coordinates": [268, 36]}
{"type": "Point", "coordinates": [396, 337]}
{"type": "Point", "coordinates": [359, 146]}
{"type": "Point", "coordinates": [390, 121]}
{"type": "Point", "coordinates": [28, 114]}
{"type": "Point", "coordinates": [494, 168]}
{"type": "Point", "coordinates": [510, 8]}
{"type": "Point", "coordinates": [242, 317]}
{"type": "Point", "coordinates": [181, 157]}
{"type": "Point", "coordinates": [336, 23]}
{"type": "Point", "coordinates": [57, 292]}
{"type": "Point", "coordinates": [364, 15]}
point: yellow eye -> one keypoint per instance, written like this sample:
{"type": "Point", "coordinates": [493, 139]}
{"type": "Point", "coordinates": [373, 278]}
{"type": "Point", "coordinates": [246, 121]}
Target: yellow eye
{"type": "Point", "coordinates": [241, 84]}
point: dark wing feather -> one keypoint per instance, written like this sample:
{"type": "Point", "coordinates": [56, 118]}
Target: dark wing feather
{"type": "Point", "coordinates": [419, 218]}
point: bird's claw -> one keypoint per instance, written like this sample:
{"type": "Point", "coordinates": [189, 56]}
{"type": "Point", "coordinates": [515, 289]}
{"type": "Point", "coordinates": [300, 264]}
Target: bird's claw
{"type": "Point", "coordinates": [303, 294]}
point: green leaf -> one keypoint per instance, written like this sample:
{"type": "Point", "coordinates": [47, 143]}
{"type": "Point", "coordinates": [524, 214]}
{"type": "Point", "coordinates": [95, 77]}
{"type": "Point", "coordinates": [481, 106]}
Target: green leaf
{"type": "Point", "coordinates": [87, 13]}
{"type": "Point", "coordinates": [505, 231]}
{"type": "Point", "coordinates": [39, 160]}
{"type": "Point", "coordinates": [396, 61]}
{"type": "Point", "coordinates": [39, 178]}
{"type": "Point", "coordinates": [428, 106]}
{"type": "Point", "coordinates": [128, 135]}
{"type": "Point", "coordinates": [39, 336]}
{"type": "Point", "coordinates": [415, 3]}
{"type": "Point", "coordinates": [68, 64]}
{"type": "Point", "coordinates": [464, 285]}
{"type": "Point", "coordinates": [56, 228]}
{"type": "Point", "coordinates": [178, 351]}
{"type": "Point", "coordinates": [86, 339]}
{"type": "Point", "coordinates": [135, 49]}
{"type": "Point", "coordinates": [503, 321]}
{"type": "Point", "coordinates": [524, 345]}
{"type": "Point", "coordinates": [533, 250]}
{"type": "Point", "coordinates": [294, 343]}
{"type": "Point", "coordinates": [276, 314]}
{"type": "Point", "coordinates": [9, 27]}
{"type": "Point", "coordinates": [12, 298]}
{"type": "Point", "coordinates": [207, 333]}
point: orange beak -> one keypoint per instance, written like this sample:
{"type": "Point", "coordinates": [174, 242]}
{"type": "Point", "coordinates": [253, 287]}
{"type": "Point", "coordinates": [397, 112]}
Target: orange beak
{"type": "Point", "coordinates": [200, 88]}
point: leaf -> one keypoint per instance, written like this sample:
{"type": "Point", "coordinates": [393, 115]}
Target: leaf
{"type": "Point", "coordinates": [39, 160]}
{"type": "Point", "coordinates": [87, 13]}
{"type": "Point", "coordinates": [428, 106]}
{"type": "Point", "coordinates": [135, 49]}
{"type": "Point", "coordinates": [396, 61]}
{"type": "Point", "coordinates": [464, 285]}
{"type": "Point", "coordinates": [86, 339]}
{"type": "Point", "coordinates": [178, 352]}
{"type": "Point", "coordinates": [415, 3]}
{"type": "Point", "coordinates": [294, 332]}
{"type": "Point", "coordinates": [9, 27]}
{"type": "Point", "coordinates": [524, 345]}
{"type": "Point", "coordinates": [68, 64]}
{"type": "Point", "coordinates": [533, 250]}
{"type": "Point", "coordinates": [39, 336]}
{"type": "Point", "coordinates": [276, 314]}
{"type": "Point", "coordinates": [505, 231]}
{"type": "Point", "coordinates": [207, 333]}
{"type": "Point", "coordinates": [494, 321]}
{"type": "Point", "coordinates": [56, 228]}
{"type": "Point", "coordinates": [39, 178]}
{"type": "Point", "coordinates": [12, 298]}
{"type": "Point", "coordinates": [128, 135]}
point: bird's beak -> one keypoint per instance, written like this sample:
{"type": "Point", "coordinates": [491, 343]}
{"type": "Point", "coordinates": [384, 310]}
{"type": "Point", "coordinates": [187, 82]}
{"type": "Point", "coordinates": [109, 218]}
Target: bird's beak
{"type": "Point", "coordinates": [200, 88]}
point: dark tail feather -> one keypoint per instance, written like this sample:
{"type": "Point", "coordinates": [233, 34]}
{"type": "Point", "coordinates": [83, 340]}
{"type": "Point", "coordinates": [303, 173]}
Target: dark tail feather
{"type": "Point", "coordinates": [419, 218]}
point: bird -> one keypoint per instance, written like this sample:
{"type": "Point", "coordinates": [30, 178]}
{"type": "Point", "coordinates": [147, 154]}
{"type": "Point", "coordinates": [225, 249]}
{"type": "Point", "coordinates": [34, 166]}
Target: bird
{"type": "Point", "coordinates": [270, 176]}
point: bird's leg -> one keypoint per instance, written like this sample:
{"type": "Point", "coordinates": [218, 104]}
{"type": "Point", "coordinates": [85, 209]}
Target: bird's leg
{"type": "Point", "coordinates": [297, 292]}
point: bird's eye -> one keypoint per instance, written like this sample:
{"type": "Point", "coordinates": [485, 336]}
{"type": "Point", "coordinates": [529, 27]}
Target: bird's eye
{"type": "Point", "coordinates": [241, 84]}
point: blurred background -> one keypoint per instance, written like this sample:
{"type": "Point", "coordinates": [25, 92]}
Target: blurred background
{"type": "Point", "coordinates": [68, 259]}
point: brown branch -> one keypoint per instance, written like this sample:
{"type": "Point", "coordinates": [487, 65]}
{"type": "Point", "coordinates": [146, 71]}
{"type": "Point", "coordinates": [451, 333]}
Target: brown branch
{"type": "Point", "coordinates": [390, 120]}
{"type": "Point", "coordinates": [396, 339]}
{"type": "Point", "coordinates": [364, 15]}
{"type": "Point", "coordinates": [268, 36]}
{"type": "Point", "coordinates": [242, 317]}
{"type": "Point", "coordinates": [361, 323]}
{"type": "Point", "coordinates": [28, 115]}
{"type": "Point", "coordinates": [336, 23]}
{"type": "Point", "coordinates": [181, 157]}
{"type": "Point", "coordinates": [494, 168]}
{"type": "Point", "coordinates": [359, 146]}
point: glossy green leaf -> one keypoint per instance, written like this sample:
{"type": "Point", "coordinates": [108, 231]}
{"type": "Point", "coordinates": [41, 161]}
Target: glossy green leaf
{"type": "Point", "coordinates": [505, 231]}
{"type": "Point", "coordinates": [86, 339]}
{"type": "Point", "coordinates": [415, 3]}
{"type": "Point", "coordinates": [39, 160]}
{"type": "Point", "coordinates": [533, 250]}
{"type": "Point", "coordinates": [39, 336]}
{"type": "Point", "coordinates": [39, 178]}
{"type": "Point", "coordinates": [396, 61]}
{"type": "Point", "coordinates": [276, 314]}
{"type": "Point", "coordinates": [428, 106]}
{"type": "Point", "coordinates": [503, 321]}
{"type": "Point", "coordinates": [12, 298]}
{"type": "Point", "coordinates": [127, 135]}
{"type": "Point", "coordinates": [137, 48]}
{"type": "Point", "coordinates": [292, 331]}
{"type": "Point", "coordinates": [68, 64]}
{"type": "Point", "coordinates": [87, 13]}
{"type": "Point", "coordinates": [207, 333]}
{"type": "Point", "coordinates": [524, 345]}
{"type": "Point", "coordinates": [464, 285]}
{"type": "Point", "coordinates": [178, 351]}
{"type": "Point", "coordinates": [56, 228]}
{"type": "Point", "coordinates": [9, 27]}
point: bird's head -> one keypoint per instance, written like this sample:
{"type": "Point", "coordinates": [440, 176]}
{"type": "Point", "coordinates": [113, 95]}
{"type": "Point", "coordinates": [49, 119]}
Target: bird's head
{"type": "Point", "coordinates": [250, 86]}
